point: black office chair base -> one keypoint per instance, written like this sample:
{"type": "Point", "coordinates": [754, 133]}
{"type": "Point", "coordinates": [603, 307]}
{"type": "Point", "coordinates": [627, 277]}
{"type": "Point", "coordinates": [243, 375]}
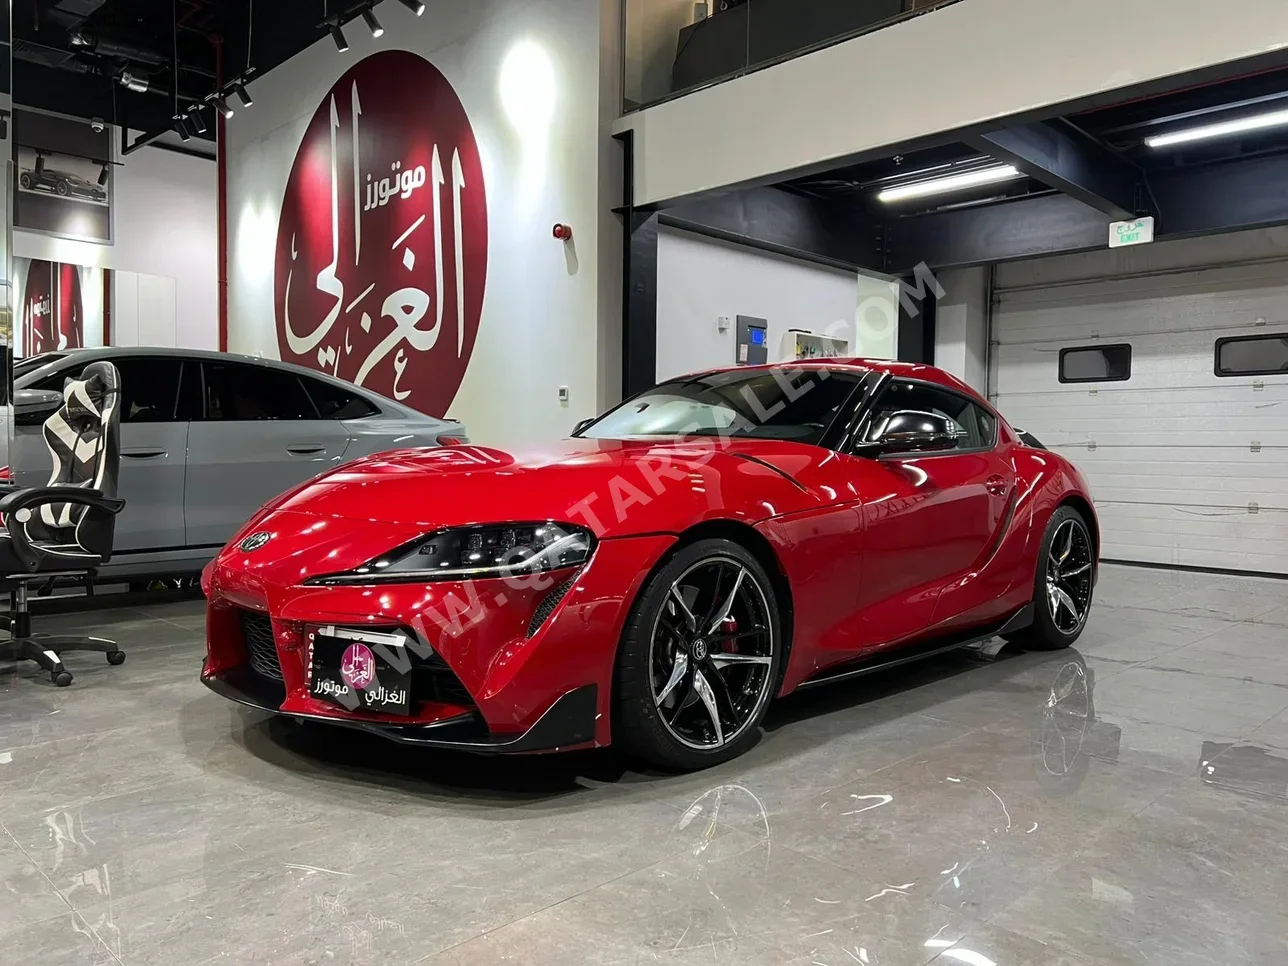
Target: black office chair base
{"type": "Point", "coordinates": [46, 649]}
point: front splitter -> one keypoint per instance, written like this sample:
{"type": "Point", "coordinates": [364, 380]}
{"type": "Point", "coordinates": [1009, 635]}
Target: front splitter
{"type": "Point", "coordinates": [566, 724]}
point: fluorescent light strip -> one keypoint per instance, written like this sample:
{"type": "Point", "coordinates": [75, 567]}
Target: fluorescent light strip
{"type": "Point", "coordinates": [955, 182]}
{"type": "Point", "coordinates": [1258, 122]}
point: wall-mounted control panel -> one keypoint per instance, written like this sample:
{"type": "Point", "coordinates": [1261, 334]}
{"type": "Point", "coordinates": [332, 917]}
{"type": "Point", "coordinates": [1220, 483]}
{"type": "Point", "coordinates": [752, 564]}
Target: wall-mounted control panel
{"type": "Point", "coordinates": [752, 345]}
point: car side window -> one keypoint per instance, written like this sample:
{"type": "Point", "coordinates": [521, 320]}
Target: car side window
{"type": "Point", "coordinates": [149, 389]}
{"type": "Point", "coordinates": [245, 393]}
{"type": "Point", "coordinates": [333, 402]}
{"type": "Point", "coordinates": [977, 426]}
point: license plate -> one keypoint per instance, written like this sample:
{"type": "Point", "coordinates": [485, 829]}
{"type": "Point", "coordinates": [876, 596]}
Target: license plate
{"type": "Point", "coordinates": [360, 670]}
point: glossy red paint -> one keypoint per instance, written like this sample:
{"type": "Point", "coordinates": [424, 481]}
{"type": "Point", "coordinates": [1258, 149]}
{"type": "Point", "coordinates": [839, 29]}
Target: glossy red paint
{"type": "Point", "coordinates": [873, 553]}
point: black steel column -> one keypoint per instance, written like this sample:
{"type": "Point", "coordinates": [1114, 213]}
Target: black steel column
{"type": "Point", "coordinates": [639, 283]}
{"type": "Point", "coordinates": [917, 327]}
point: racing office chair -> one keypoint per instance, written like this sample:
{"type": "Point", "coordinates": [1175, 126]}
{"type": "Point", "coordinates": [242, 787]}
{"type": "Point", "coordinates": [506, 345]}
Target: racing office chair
{"type": "Point", "coordinates": [65, 528]}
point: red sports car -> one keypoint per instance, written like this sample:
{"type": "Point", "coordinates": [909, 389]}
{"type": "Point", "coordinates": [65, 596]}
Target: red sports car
{"type": "Point", "coordinates": [656, 580]}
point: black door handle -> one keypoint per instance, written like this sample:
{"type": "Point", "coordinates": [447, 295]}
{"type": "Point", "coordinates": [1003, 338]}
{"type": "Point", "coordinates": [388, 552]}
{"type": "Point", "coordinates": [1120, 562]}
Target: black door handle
{"type": "Point", "coordinates": [305, 449]}
{"type": "Point", "coordinates": [142, 454]}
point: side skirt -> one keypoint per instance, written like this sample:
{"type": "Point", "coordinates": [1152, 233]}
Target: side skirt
{"type": "Point", "coordinates": [925, 649]}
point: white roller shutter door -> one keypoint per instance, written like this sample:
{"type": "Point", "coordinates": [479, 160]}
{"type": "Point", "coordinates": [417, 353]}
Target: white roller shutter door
{"type": "Point", "coordinates": [1186, 467]}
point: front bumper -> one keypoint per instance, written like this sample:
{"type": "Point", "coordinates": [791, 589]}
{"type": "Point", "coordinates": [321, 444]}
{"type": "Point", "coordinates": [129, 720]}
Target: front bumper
{"type": "Point", "coordinates": [568, 723]}
{"type": "Point", "coordinates": [518, 683]}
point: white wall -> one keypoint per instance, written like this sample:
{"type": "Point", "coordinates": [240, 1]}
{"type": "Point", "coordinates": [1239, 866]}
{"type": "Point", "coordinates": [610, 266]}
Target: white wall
{"type": "Point", "coordinates": [548, 310]}
{"type": "Point", "coordinates": [992, 59]}
{"type": "Point", "coordinates": [700, 279]}
{"type": "Point", "coordinates": [165, 222]}
{"type": "Point", "coordinates": [961, 326]}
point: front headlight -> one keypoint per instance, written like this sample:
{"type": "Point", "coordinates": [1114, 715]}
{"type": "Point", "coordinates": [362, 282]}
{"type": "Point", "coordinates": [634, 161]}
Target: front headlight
{"type": "Point", "coordinates": [469, 553]}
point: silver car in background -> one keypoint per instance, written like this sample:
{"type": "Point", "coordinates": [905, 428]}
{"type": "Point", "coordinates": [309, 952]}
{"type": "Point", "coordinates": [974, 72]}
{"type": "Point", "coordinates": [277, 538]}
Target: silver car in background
{"type": "Point", "coordinates": [209, 437]}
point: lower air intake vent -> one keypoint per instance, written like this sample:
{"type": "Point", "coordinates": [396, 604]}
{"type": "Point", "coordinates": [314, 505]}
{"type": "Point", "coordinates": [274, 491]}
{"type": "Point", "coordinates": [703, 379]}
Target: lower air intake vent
{"type": "Point", "coordinates": [257, 632]}
{"type": "Point", "coordinates": [548, 604]}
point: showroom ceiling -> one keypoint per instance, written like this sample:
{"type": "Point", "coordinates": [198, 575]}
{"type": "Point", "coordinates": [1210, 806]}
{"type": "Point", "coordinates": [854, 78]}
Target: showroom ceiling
{"type": "Point", "coordinates": [1067, 176]}
{"type": "Point", "coordinates": [139, 62]}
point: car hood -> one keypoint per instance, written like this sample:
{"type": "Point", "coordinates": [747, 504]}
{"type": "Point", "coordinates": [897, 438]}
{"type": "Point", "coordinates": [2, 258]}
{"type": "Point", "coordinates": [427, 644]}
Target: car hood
{"type": "Point", "coordinates": [616, 487]}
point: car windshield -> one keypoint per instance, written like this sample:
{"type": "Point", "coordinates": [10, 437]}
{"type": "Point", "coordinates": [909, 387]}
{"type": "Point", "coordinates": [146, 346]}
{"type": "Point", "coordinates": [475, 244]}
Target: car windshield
{"type": "Point", "coordinates": [782, 403]}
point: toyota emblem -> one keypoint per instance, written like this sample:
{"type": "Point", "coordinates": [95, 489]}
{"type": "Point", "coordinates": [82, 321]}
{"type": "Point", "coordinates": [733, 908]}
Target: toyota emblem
{"type": "Point", "coordinates": [255, 541]}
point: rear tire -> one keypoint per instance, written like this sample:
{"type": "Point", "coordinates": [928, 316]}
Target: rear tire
{"type": "Point", "coordinates": [699, 658]}
{"type": "Point", "coordinates": [1062, 585]}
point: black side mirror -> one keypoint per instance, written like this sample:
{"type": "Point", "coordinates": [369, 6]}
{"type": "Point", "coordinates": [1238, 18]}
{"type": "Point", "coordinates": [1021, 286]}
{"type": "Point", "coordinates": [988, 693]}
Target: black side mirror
{"type": "Point", "coordinates": [31, 407]}
{"type": "Point", "coordinates": [909, 431]}
{"type": "Point", "coordinates": [582, 424]}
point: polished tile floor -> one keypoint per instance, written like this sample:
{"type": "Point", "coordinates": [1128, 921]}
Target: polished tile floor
{"type": "Point", "coordinates": [1122, 802]}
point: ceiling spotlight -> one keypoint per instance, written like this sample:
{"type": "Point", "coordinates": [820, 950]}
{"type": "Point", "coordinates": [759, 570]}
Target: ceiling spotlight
{"type": "Point", "coordinates": [78, 39]}
{"type": "Point", "coordinates": [194, 119]}
{"type": "Point", "coordinates": [415, 6]}
{"type": "Point", "coordinates": [133, 82]}
{"type": "Point", "coordinates": [338, 36]}
{"type": "Point", "coordinates": [102, 175]}
{"type": "Point", "coordinates": [953, 182]}
{"type": "Point", "coordinates": [373, 24]}
{"type": "Point", "coordinates": [182, 128]}
{"type": "Point", "coordinates": [223, 107]}
{"type": "Point", "coordinates": [1221, 129]}
{"type": "Point", "coordinates": [242, 94]}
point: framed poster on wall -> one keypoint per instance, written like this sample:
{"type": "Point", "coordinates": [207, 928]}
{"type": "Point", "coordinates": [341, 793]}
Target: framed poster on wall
{"type": "Point", "coordinates": [57, 306]}
{"type": "Point", "coordinates": [63, 171]}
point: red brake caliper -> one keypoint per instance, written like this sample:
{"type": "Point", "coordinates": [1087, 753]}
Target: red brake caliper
{"type": "Point", "coordinates": [729, 626]}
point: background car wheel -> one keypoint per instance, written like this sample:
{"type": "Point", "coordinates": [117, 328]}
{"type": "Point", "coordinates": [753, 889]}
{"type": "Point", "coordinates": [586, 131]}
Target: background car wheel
{"type": "Point", "coordinates": [24, 179]}
{"type": "Point", "coordinates": [699, 658]}
{"type": "Point", "coordinates": [62, 188]}
{"type": "Point", "coordinates": [1063, 584]}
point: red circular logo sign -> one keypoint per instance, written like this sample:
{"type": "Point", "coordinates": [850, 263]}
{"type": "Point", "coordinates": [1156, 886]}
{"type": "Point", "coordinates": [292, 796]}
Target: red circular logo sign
{"type": "Point", "coordinates": [382, 243]}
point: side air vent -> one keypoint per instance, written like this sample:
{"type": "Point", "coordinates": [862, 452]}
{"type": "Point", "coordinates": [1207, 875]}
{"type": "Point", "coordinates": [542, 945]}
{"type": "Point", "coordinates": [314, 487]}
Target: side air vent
{"type": "Point", "coordinates": [548, 604]}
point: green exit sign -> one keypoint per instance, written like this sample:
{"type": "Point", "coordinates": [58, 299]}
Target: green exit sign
{"type": "Point", "coordinates": [1137, 232]}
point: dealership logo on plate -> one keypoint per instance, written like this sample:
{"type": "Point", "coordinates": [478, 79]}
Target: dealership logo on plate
{"type": "Point", "coordinates": [382, 242]}
{"type": "Point", "coordinates": [358, 667]}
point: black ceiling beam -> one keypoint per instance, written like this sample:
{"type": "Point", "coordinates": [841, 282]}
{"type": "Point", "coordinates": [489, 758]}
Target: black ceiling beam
{"type": "Point", "coordinates": [1064, 158]}
{"type": "Point", "coordinates": [1233, 196]}
{"type": "Point", "coordinates": [1023, 228]}
{"type": "Point", "coordinates": [784, 223]}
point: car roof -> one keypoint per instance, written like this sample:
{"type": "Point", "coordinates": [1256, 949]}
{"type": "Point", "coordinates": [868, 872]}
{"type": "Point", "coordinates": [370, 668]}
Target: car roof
{"type": "Point", "coordinates": [110, 352]}
{"type": "Point", "coordinates": [904, 370]}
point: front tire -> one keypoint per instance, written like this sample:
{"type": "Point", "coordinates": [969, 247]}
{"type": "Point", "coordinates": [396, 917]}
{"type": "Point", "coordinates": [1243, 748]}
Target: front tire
{"type": "Point", "coordinates": [699, 658]}
{"type": "Point", "coordinates": [1063, 584]}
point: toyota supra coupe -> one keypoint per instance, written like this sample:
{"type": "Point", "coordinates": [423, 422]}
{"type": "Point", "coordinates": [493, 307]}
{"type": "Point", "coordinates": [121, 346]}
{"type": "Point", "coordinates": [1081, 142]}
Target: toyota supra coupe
{"type": "Point", "coordinates": [655, 581]}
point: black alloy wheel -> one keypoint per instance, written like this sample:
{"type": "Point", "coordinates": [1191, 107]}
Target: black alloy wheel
{"type": "Point", "coordinates": [699, 658]}
{"type": "Point", "coordinates": [1063, 584]}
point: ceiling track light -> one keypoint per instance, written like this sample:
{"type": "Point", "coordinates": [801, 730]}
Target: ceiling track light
{"type": "Point", "coordinates": [373, 24]}
{"type": "Point", "coordinates": [1220, 129]}
{"type": "Point", "coordinates": [133, 82]}
{"type": "Point", "coordinates": [102, 175]}
{"type": "Point", "coordinates": [194, 119]}
{"type": "Point", "coordinates": [341, 44]}
{"type": "Point", "coordinates": [952, 182]}
{"type": "Point", "coordinates": [415, 6]}
{"type": "Point", "coordinates": [181, 127]}
{"type": "Point", "coordinates": [224, 108]}
{"type": "Point", "coordinates": [242, 94]}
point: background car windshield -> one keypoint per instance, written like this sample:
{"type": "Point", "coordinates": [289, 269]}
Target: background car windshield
{"type": "Point", "coordinates": [793, 404]}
